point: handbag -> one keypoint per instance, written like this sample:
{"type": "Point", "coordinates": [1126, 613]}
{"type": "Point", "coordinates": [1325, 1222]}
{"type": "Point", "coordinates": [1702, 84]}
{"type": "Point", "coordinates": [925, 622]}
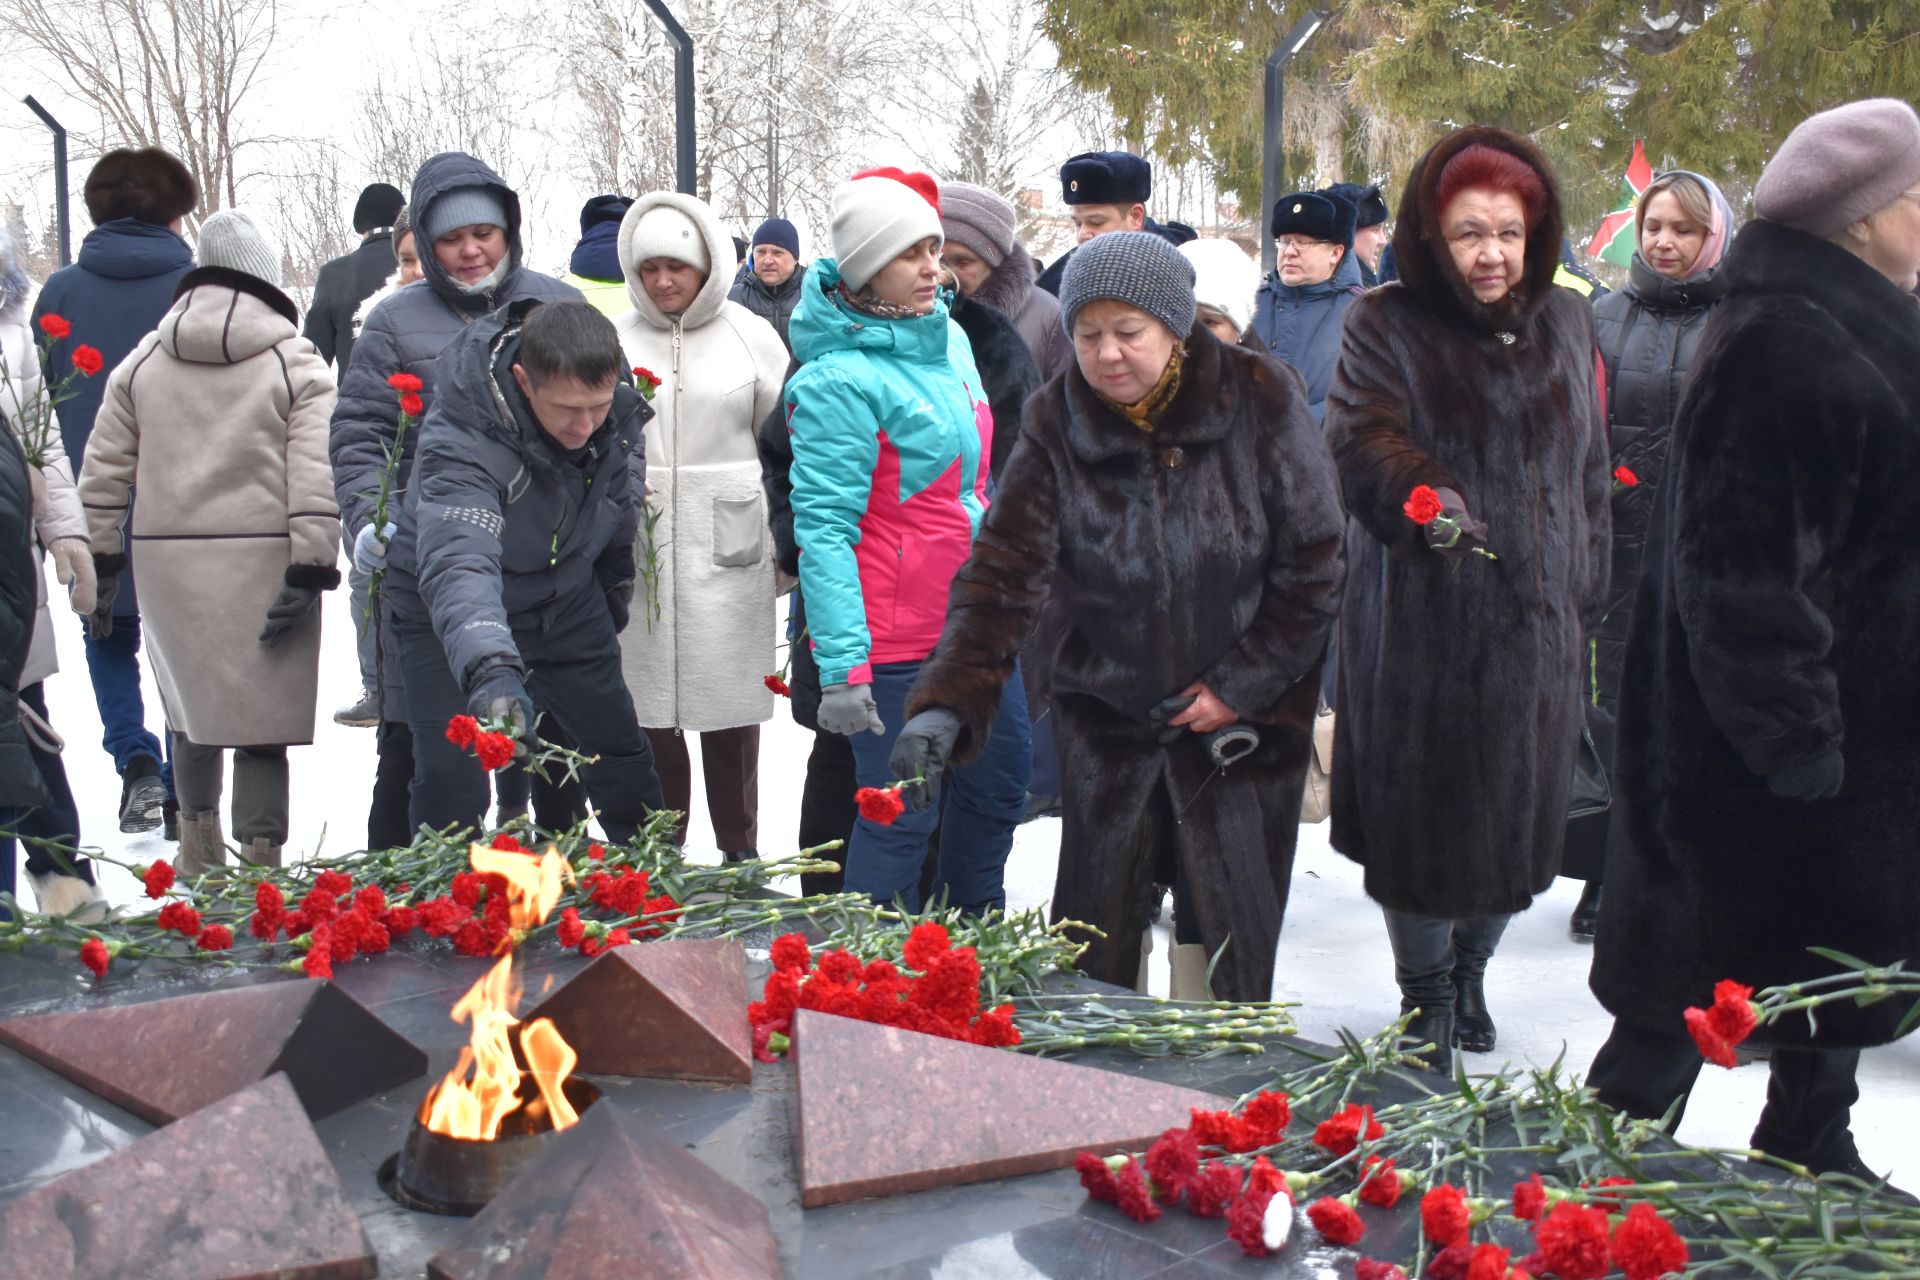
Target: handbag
{"type": "Point", "coordinates": [1316, 802]}
{"type": "Point", "coordinates": [1592, 794]}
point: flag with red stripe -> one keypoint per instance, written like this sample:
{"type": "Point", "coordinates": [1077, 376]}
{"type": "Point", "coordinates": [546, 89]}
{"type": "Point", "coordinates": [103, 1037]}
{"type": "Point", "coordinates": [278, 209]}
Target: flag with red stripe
{"type": "Point", "coordinates": [1613, 241]}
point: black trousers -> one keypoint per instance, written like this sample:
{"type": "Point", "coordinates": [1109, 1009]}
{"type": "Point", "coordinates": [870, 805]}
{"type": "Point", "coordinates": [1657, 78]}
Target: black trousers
{"type": "Point", "coordinates": [572, 658]}
{"type": "Point", "coordinates": [1810, 1092]}
{"type": "Point", "coordinates": [1427, 952]}
{"type": "Point", "coordinates": [59, 821]}
{"type": "Point", "coordinates": [388, 826]}
{"type": "Point", "coordinates": [827, 810]}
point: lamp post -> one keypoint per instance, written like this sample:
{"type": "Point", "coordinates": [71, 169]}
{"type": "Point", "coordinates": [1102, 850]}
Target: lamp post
{"type": "Point", "coordinates": [62, 224]}
{"type": "Point", "coordinates": [683, 119]}
{"type": "Point", "coordinates": [1270, 146]}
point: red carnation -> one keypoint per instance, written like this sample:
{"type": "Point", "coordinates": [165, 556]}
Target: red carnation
{"type": "Point", "coordinates": [1730, 1020]}
{"type": "Point", "coordinates": [763, 1047]}
{"type": "Point", "coordinates": [412, 405]}
{"type": "Point", "coordinates": [1343, 1132]}
{"type": "Point", "coordinates": [1612, 1202]}
{"type": "Point", "coordinates": [495, 751]}
{"type": "Point", "coordinates": [467, 887]}
{"type": "Point", "coordinates": [571, 931]}
{"type": "Point", "coordinates": [55, 326]}
{"type": "Point", "coordinates": [1246, 1221]}
{"type": "Point", "coordinates": [1266, 1115]}
{"type": "Point", "coordinates": [1450, 1263]}
{"type": "Point", "coordinates": [1572, 1240]}
{"type": "Point", "coordinates": [319, 961]}
{"type": "Point", "coordinates": [879, 804]}
{"type": "Point", "coordinates": [1096, 1177]}
{"type": "Point", "coordinates": [94, 955]}
{"type": "Point", "coordinates": [1422, 505]}
{"type": "Point", "coordinates": [215, 937]}
{"type": "Point", "coordinates": [1172, 1162]}
{"type": "Point", "coordinates": [404, 382]}
{"type": "Point", "coordinates": [88, 360]}
{"type": "Point", "coordinates": [1336, 1220]}
{"type": "Point", "coordinates": [1374, 1269]}
{"type": "Point", "coordinates": [1624, 477]}
{"type": "Point", "coordinates": [463, 732]}
{"type": "Point", "coordinates": [1134, 1200]}
{"type": "Point", "coordinates": [790, 951]}
{"type": "Point", "coordinates": [158, 877]}
{"type": "Point", "coordinates": [507, 842]}
{"type": "Point", "coordinates": [470, 939]}
{"type": "Point", "coordinates": [1489, 1262]}
{"type": "Point", "coordinates": [927, 940]}
{"type": "Point", "coordinates": [401, 921]}
{"type": "Point", "coordinates": [838, 965]}
{"type": "Point", "coordinates": [337, 883]}
{"type": "Point", "coordinates": [1380, 1183]}
{"type": "Point", "coordinates": [778, 685]}
{"type": "Point", "coordinates": [1646, 1246]}
{"type": "Point", "coordinates": [1529, 1199]}
{"type": "Point", "coordinates": [597, 852]}
{"type": "Point", "coordinates": [1212, 1190]}
{"type": "Point", "coordinates": [265, 925]}
{"type": "Point", "coordinates": [1444, 1216]}
{"type": "Point", "coordinates": [647, 376]}
{"type": "Point", "coordinates": [319, 904]}
{"type": "Point", "coordinates": [371, 899]}
{"type": "Point", "coordinates": [181, 918]}
{"type": "Point", "coordinates": [618, 938]}
{"type": "Point", "coordinates": [440, 917]}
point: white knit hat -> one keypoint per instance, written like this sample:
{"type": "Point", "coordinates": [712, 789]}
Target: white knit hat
{"type": "Point", "coordinates": [1224, 278]}
{"type": "Point", "coordinates": [666, 232]}
{"type": "Point", "coordinates": [235, 240]}
{"type": "Point", "coordinates": [874, 221]}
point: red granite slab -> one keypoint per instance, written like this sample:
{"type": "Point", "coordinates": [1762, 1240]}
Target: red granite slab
{"type": "Point", "coordinates": [884, 1111]}
{"type": "Point", "coordinates": [675, 1008]}
{"type": "Point", "coordinates": [167, 1058]}
{"type": "Point", "coordinates": [238, 1191]}
{"type": "Point", "coordinates": [609, 1201]}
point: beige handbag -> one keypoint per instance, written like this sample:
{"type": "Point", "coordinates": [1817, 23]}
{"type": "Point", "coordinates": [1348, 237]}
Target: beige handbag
{"type": "Point", "coordinates": [1316, 803]}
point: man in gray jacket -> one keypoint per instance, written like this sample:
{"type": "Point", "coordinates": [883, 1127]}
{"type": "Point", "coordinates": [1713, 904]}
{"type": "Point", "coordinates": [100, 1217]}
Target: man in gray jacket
{"type": "Point", "coordinates": [511, 567]}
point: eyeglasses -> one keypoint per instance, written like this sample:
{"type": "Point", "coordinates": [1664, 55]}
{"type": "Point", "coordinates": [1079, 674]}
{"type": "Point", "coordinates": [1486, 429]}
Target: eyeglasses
{"type": "Point", "coordinates": [1301, 242]}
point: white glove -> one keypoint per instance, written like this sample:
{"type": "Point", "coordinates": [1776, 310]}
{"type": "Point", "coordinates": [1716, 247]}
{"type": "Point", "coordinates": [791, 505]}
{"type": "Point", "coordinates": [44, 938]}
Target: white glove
{"type": "Point", "coordinates": [73, 567]}
{"type": "Point", "coordinates": [846, 709]}
{"type": "Point", "coordinates": [370, 548]}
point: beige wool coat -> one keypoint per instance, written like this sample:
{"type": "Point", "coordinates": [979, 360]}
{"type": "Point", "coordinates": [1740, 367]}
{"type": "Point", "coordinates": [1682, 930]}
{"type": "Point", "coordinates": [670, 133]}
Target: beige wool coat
{"type": "Point", "coordinates": [701, 640]}
{"type": "Point", "coordinates": [216, 427]}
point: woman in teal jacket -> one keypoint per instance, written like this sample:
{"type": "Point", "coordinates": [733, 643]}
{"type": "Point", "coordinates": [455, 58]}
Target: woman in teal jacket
{"type": "Point", "coordinates": [891, 439]}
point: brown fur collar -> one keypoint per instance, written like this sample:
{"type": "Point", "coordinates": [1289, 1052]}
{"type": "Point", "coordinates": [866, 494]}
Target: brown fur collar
{"type": "Point", "coordinates": [1005, 289]}
{"type": "Point", "coordinates": [1202, 410]}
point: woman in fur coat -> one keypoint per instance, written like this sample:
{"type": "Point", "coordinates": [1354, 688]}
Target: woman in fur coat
{"type": "Point", "coordinates": [1459, 687]}
{"type": "Point", "coordinates": [1175, 489]}
{"type": "Point", "coordinates": [1768, 773]}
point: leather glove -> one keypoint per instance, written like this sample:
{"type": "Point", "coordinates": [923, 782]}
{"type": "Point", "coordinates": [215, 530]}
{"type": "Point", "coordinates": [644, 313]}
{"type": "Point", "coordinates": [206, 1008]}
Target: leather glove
{"type": "Point", "coordinates": [500, 695]}
{"type": "Point", "coordinates": [1817, 779]}
{"type": "Point", "coordinates": [620, 604]}
{"type": "Point", "coordinates": [370, 547]}
{"type": "Point", "coordinates": [846, 709]}
{"type": "Point", "coordinates": [106, 590]}
{"type": "Point", "coordinates": [1472, 533]}
{"type": "Point", "coordinates": [73, 569]}
{"type": "Point", "coordinates": [1165, 710]}
{"type": "Point", "coordinates": [921, 751]}
{"type": "Point", "coordinates": [294, 604]}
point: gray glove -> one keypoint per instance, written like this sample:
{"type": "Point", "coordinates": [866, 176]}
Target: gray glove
{"type": "Point", "coordinates": [294, 604]}
{"type": "Point", "coordinates": [921, 751]}
{"type": "Point", "coordinates": [1817, 779]}
{"type": "Point", "coordinates": [370, 547]}
{"type": "Point", "coordinates": [846, 709]}
{"type": "Point", "coordinates": [107, 588]}
{"type": "Point", "coordinates": [500, 695]}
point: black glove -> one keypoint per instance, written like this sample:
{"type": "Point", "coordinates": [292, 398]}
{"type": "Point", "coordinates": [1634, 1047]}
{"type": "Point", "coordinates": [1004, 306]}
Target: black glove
{"type": "Point", "coordinates": [921, 751]}
{"type": "Point", "coordinates": [1472, 533]}
{"type": "Point", "coordinates": [1165, 710]}
{"type": "Point", "coordinates": [1817, 779]}
{"type": "Point", "coordinates": [294, 604]}
{"type": "Point", "coordinates": [500, 695]}
{"type": "Point", "coordinates": [106, 576]}
{"type": "Point", "coordinates": [620, 603]}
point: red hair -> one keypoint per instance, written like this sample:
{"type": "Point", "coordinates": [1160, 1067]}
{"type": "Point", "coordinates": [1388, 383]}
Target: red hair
{"type": "Point", "coordinates": [923, 183]}
{"type": "Point", "coordinates": [1480, 167]}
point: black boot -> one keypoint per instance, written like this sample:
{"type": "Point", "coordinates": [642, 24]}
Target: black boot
{"type": "Point", "coordinates": [1472, 1025]}
{"type": "Point", "coordinates": [1433, 1028]}
{"type": "Point", "coordinates": [1586, 914]}
{"type": "Point", "coordinates": [143, 796]}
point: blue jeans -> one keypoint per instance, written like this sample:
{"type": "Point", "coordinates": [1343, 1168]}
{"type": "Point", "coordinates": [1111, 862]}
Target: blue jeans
{"type": "Point", "coordinates": [114, 663]}
{"type": "Point", "coordinates": [981, 803]}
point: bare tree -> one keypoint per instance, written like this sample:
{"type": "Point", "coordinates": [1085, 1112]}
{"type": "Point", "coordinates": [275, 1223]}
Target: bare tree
{"type": "Point", "coordinates": [308, 203]}
{"type": "Point", "coordinates": [160, 73]}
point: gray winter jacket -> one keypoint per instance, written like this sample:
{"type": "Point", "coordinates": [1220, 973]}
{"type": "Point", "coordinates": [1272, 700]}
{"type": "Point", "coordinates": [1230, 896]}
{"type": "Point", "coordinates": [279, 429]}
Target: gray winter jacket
{"type": "Point", "coordinates": [500, 526]}
{"type": "Point", "coordinates": [406, 334]}
{"type": "Point", "coordinates": [775, 303]}
{"type": "Point", "coordinates": [1302, 325]}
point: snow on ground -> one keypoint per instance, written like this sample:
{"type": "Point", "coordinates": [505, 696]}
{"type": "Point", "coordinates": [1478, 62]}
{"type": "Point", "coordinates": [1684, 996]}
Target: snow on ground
{"type": "Point", "coordinates": [1334, 959]}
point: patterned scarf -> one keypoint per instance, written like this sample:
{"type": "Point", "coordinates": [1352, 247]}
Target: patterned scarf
{"type": "Point", "coordinates": [1152, 405]}
{"type": "Point", "coordinates": [874, 305]}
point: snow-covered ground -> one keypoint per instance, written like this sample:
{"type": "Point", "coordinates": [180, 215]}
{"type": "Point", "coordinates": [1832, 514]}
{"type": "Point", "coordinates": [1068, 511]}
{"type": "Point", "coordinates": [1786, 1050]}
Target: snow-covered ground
{"type": "Point", "coordinates": [1334, 959]}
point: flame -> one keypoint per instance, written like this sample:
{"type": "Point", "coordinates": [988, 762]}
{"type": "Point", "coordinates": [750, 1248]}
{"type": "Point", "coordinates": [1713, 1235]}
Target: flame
{"type": "Point", "coordinates": [475, 1108]}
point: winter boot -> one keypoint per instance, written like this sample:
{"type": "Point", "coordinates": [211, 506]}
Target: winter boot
{"type": "Point", "coordinates": [170, 820]}
{"type": "Point", "coordinates": [262, 852]}
{"type": "Point", "coordinates": [143, 797]}
{"type": "Point", "coordinates": [1473, 1028]}
{"type": "Point", "coordinates": [57, 893]}
{"type": "Point", "coordinates": [744, 855]}
{"type": "Point", "coordinates": [1146, 961]}
{"type": "Point", "coordinates": [1430, 1028]}
{"type": "Point", "coordinates": [1586, 915]}
{"type": "Point", "coordinates": [203, 847]}
{"type": "Point", "coordinates": [1190, 972]}
{"type": "Point", "coordinates": [364, 714]}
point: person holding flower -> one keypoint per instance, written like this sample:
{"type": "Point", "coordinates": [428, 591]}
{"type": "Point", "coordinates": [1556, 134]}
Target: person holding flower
{"type": "Point", "coordinates": [1474, 379]}
{"type": "Point", "coordinates": [1174, 491]}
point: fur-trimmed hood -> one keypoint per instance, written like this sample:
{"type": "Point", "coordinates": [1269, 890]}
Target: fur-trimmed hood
{"type": "Point", "coordinates": [706, 303]}
{"type": "Point", "coordinates": [1007, 286]}
{"type": "Point", "coordinates": [223, 317]}
{"type": "Point", "coordinates": [1425, 268]}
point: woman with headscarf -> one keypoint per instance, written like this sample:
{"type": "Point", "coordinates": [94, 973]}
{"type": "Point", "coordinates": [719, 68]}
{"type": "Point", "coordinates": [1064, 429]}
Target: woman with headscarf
{"type": "Point", "coordinates": [1649, 334]}
{"type": "Point", "coordinates": [1175, 488]}
{"type": "Point", "coordinates": [1464, 416]}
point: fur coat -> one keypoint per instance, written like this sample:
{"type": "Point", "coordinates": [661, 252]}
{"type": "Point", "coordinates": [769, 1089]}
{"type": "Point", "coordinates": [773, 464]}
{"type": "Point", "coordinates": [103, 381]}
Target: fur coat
{"type": "Point", "coordinates": [1775, 626]}
{"type": "Point", "coordinates": [1207, 549]}
{"type": "Point", "coordinates": [1460, 679]}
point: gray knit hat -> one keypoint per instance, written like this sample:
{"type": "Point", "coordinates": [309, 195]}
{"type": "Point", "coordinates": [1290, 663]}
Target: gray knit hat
{"type": "Point", "coordinates": [977, 219]}
{"type": "Point", "coordinates": [234, 239]}
{"type": "Point", "coordinates": [464, 207]}
{"type": "Point", "coordinates": [1838, 166]}
{"type": "Point", "coordinates": [1134, 267]}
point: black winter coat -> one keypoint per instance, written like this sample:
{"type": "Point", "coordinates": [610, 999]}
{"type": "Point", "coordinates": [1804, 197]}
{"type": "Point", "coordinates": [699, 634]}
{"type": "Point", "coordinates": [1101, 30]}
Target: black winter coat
{"type": "Point", "coordinates": [21, 785]}
{"type": "Point", "coordinates": [1775, 626]}
{"type": "Point", "coordinates": [1460, 679]}
{"type": "Point", "coordinates": [338, 291]}
{"type": "Point", "coordinates": [407, 332]}
{"type": "Point", "coordinates": [1056, 272]}
{"type": "Point", "coordinates": [774, 305]}
{"type": "Point", "coordinates": [1207, 549]}
{"type": "Point", "coordinates": [499, 526]}
{"type": "Point", "coordinates": [1648, 335]}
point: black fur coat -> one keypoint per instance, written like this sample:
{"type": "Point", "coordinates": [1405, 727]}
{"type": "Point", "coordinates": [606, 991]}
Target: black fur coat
{"type": "Point", "coordinates": [1778, 622]}
{"type": "Point", "coordinates": [1206, 549]}
{"type": "Point", "coordinates": [1460, 679]}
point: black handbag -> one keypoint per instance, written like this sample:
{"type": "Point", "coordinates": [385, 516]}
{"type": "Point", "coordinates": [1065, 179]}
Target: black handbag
{"type": "Point", "coordinates": [1592, 793]}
